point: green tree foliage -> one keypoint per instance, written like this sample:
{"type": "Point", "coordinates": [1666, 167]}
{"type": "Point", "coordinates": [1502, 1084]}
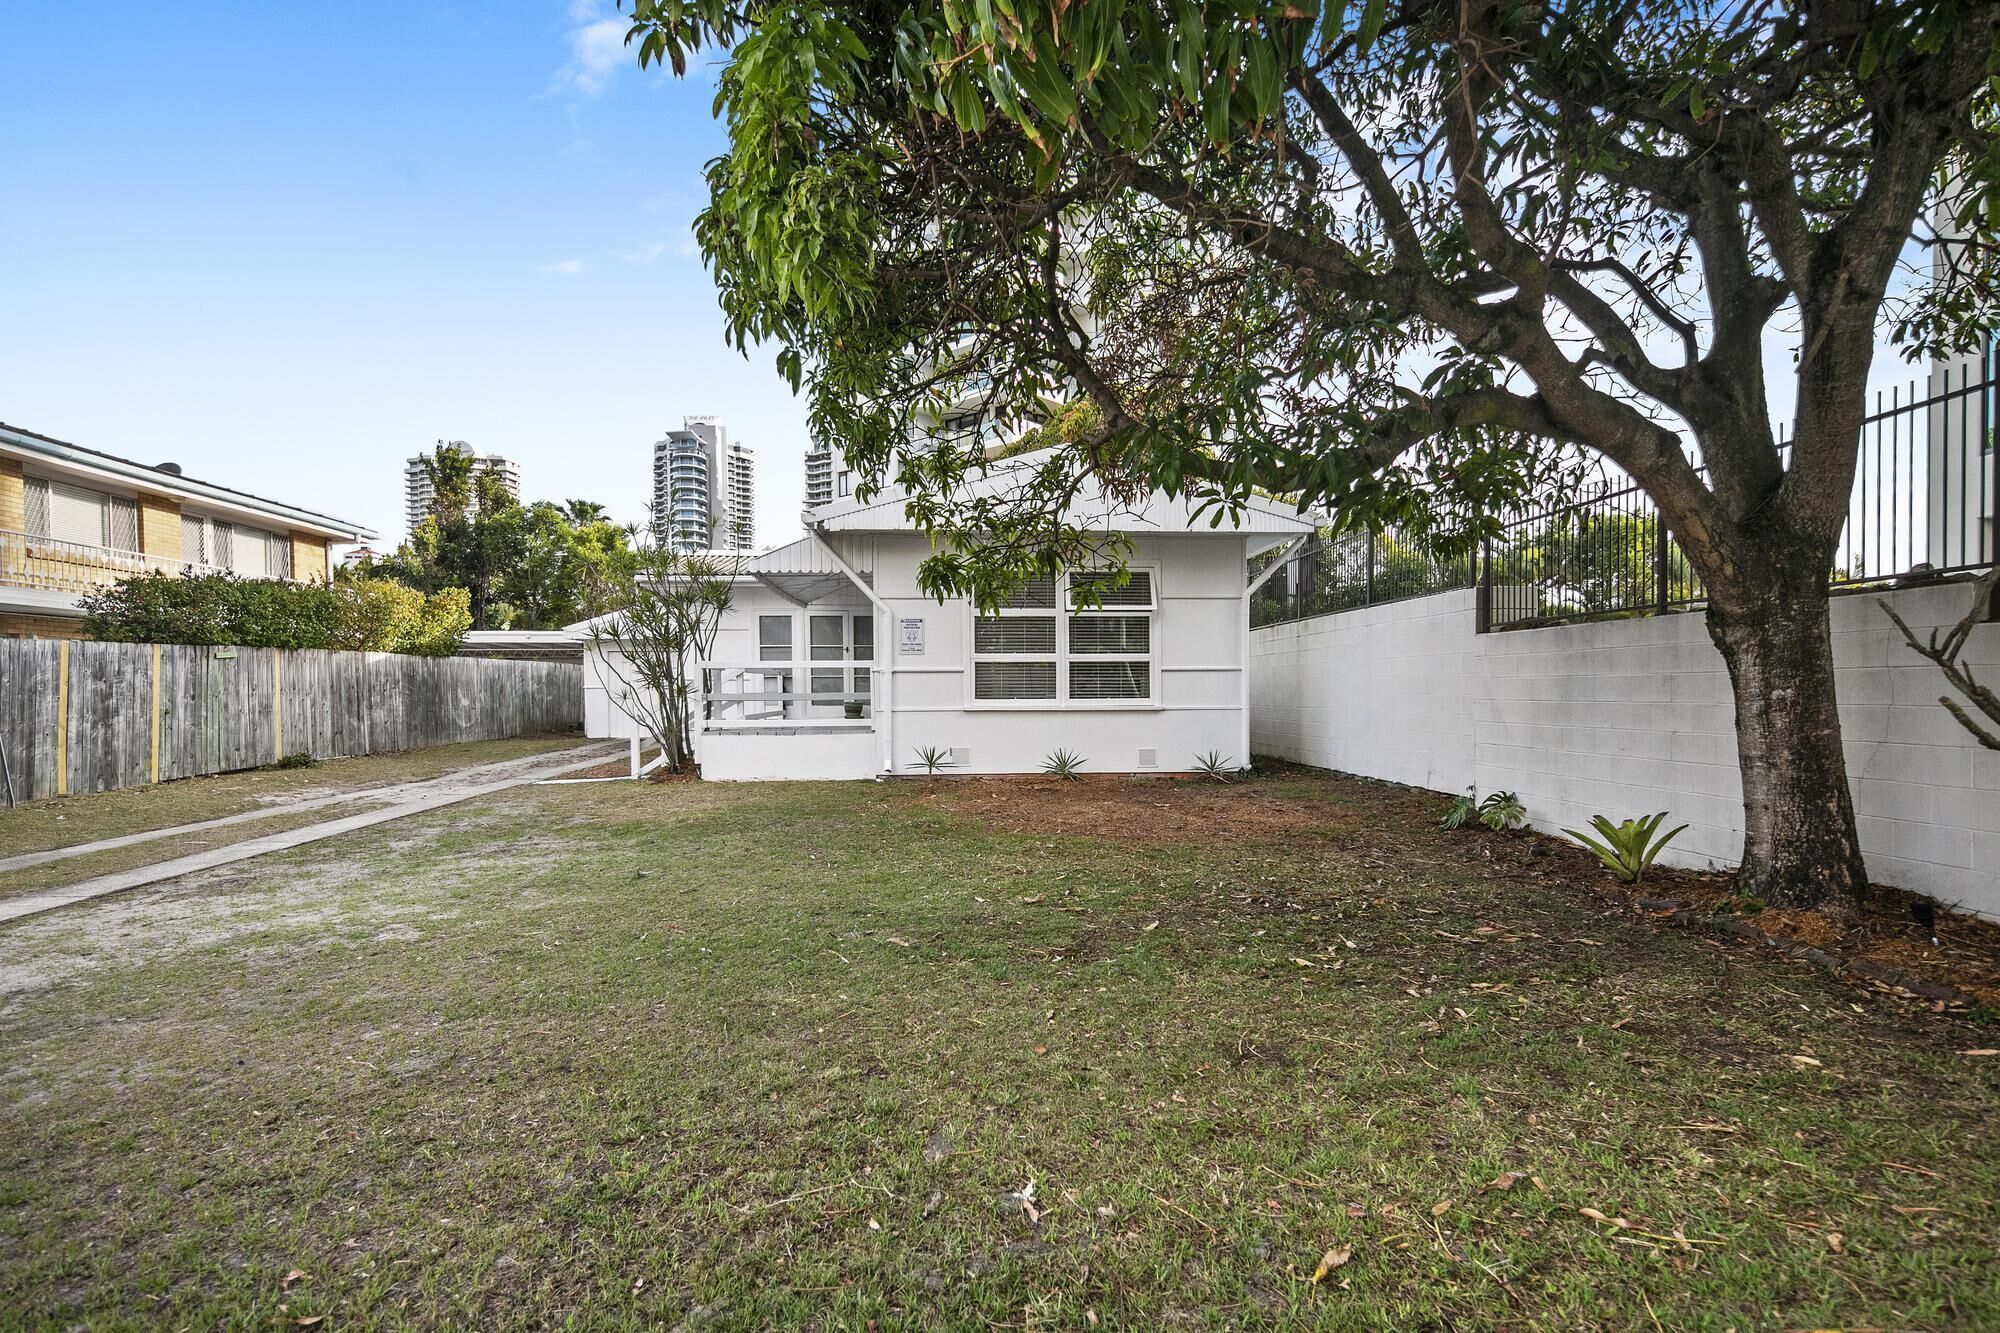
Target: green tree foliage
{"type": "Point", "coordinates": [349, 613]}
{"type": "Point", "coordinates": [1414, 261]}
{"type": "Point", "coordinates": [381, 615]}
{"type": "Point", "coordinates": [539, 566]}
{"type": "Point", "coordinates": [650, 650]}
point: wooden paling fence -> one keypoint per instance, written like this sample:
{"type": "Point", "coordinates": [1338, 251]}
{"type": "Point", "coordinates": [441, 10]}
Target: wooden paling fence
{"type": "Point", "coordinates": [84, 717]}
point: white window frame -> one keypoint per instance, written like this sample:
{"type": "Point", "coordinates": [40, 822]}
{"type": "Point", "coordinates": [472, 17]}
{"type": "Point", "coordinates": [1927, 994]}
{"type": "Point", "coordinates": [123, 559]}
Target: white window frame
{"type": "Point", "coordinates": [1064, 612]}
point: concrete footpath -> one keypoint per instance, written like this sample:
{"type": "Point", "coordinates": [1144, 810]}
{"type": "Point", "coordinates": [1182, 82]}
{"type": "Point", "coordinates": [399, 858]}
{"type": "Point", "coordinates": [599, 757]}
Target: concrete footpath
{"type": "Point", "coordinates": [405, 799]}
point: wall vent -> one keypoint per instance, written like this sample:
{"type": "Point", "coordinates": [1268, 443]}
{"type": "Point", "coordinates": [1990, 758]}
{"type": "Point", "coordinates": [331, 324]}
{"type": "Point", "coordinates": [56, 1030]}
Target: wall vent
{"type": "Point", "coordinates": [961, 756]}
{"type": "Point", "coordinates": [1149, 758]}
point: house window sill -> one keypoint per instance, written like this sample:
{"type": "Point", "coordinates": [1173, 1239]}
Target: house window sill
{"type": "Point", "coordinates": [1064, 706]}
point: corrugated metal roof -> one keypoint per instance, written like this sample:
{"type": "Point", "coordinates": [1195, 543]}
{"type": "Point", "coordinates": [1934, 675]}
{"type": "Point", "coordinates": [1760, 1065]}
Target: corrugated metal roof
{"type": "Point", "coordinates": [1099, 513]}
{"type": "Point", "coordinates": [804, 556]}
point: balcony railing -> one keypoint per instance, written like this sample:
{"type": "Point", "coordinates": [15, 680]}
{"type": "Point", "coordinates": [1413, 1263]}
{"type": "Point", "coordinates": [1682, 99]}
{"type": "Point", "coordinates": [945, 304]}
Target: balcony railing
{"type": "Point", "coordinates": [786, 693]}
{"type": "Point", "coordinates": [49, 565]}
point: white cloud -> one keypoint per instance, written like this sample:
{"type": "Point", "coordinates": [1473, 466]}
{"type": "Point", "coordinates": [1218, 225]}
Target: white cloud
{"type": "Point", "coordinates": [564, 266]}
{"type": "Point", "coordinates": [678, 241]}
{"type": "Point", "coordinates": [596, 48]}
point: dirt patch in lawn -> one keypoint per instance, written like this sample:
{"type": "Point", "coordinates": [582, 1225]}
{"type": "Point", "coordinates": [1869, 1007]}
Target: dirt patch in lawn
{"type": "Point", "coordinates": [1396, 825]}
{"type": "Point", "coordinates": [1132, 812]}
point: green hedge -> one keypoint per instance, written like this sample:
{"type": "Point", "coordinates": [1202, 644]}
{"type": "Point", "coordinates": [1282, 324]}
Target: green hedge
{"type": "Point", "coordinates": [363, 614]}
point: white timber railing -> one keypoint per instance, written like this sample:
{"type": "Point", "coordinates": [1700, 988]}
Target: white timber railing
{"type": "Point", "coordinates": [786, 693]}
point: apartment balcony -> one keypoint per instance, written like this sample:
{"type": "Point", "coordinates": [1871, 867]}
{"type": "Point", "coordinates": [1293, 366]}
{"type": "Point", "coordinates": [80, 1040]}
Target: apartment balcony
{"type": "Point", "coordinates": [44, 574]}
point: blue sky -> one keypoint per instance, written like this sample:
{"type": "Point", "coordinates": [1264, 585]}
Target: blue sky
{"type": "Point", "coordinates": [289, 245]}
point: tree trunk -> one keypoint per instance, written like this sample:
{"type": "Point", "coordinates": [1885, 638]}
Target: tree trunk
{"type": "Point", "coordinates": [1800, 844]}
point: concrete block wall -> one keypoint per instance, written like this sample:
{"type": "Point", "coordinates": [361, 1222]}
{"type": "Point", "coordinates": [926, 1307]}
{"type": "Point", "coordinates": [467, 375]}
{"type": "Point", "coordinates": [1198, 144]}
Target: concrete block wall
{"type": "Point", "coordinates": [1626, 717]}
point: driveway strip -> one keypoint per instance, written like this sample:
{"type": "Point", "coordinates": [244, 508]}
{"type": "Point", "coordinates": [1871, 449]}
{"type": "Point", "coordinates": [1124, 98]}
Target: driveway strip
{"type": "Point", "coordinates": [421, 797]}
{"type": "Point", "coordinates": [382, 792]}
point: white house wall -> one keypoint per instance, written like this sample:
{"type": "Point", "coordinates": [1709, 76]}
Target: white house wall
{"type": "Point", "coordinates": [1199, 686]}
{"type": "Point", "coordinates": [1198, 638]}
{"type": "Point", "coordinates": [1626, 717]}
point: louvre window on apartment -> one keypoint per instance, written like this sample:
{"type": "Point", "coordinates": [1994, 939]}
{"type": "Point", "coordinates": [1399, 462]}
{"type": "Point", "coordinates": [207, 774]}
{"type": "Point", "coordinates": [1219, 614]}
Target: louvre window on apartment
{"type": "Point", "coordinates": [1077, 638]}
{"type": "Point", "coordinates": [58, 511]}
{"type": "Point", "coordinates": [250, 552]}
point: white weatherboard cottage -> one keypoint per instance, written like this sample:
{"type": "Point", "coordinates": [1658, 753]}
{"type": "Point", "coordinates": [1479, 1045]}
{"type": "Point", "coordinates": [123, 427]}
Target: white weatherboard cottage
{"type": "Point", "coordinates": [831, 662]}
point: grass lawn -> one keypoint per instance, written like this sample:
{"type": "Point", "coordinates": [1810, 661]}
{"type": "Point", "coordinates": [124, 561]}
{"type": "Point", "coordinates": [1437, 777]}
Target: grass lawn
{"type": "Point", "coordinates": [785, 1056]}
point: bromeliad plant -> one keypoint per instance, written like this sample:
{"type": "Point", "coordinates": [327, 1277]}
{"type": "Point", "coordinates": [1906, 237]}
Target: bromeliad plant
{"type": "Point", "coordinates": [1063, 764]}
{"type": "Point", "coordinates": [1215, 765]}
{"type": "Point", "coordinates": [1627, 850]}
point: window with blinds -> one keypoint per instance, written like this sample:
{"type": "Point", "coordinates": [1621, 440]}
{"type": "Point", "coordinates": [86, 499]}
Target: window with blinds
{"type": "Point", "coordinates": [1101, 651]}
{"type": "Point", "coordinates": [58, 511]}
{"type": "Point", "coordinates": [194, 539]}
{"type": "Point", "coordinates": [1015, 655]}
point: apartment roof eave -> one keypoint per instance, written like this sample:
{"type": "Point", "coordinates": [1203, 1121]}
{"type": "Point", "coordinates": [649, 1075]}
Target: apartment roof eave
{"type": "Point", "coordinates": [97, 462]}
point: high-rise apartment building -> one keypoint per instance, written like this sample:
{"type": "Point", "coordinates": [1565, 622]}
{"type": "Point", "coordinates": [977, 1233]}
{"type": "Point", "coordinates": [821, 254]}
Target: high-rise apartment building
{"type": "Point", "coordinates": [828, 477]}
{"type": "Point", "coordinates": [704, 489]}
{"type": "Point", "coordinates": [417, 493]}
{"type": "Point", "coordinates": [819, 476]}
{"type": "Point", "coordinates": [739, 529]}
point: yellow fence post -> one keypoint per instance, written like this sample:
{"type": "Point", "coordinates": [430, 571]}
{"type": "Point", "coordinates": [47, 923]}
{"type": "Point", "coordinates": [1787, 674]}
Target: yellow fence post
{"type": "Point", "coordinates": [153, 764]}
{"type": "Point", "coordinates": [62, 719]}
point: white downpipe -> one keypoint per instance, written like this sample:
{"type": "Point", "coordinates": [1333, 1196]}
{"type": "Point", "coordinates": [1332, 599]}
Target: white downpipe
{"type": "Point", "coordinates": [884, 643]}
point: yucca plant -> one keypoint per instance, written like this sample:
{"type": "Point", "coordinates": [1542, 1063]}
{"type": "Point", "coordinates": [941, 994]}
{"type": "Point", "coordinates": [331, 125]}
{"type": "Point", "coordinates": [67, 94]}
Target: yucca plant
{"type": "Point", "coordinates": [1063, 764]}
{"type": "Point", "coordinates": [1462, 811]}
{"type": "Point", "coordinates": [1214, 765]}
{"type": "Point", "coordinates": [1627, 849]}
{"type": "Point", "coordinates": [1502, 810]}
{"type": "Point", "coordinates": [933, 757]}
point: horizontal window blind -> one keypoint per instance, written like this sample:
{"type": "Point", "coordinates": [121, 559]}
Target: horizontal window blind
{"type": "Point", "coordinates": [1036, 594]}
{"type": "Point", "coordinates": [1014, 680]}
{"type": "Point", "coordinates": [1109, 680]}
{"type": "Point", "coordinates": [1097, 588]}
{"type": "Point", "coordinates": [1101, 635]}
{"type": "Point", "coordinates": [1014, 634]}
{"type": "Point", "coordinates": [76, 514]}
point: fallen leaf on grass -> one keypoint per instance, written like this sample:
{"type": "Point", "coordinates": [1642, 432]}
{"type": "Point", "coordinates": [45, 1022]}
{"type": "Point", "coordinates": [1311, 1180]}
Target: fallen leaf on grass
{"type": "Point", "coordinates": [1150, 925]}
{"type": "Point", "coordinates": [1038, 898]}
{"type": "Point", "coordinates": [1041, 1050]}
{"type": "Point", "coordinates": [1440, 1208]}
{"type": "Point", "coordinates": [1505, 1180]}
{"type": "Point", "coordinates": [1836, 1242]}
{"type": "Point", "coordinates": [1356, 1210]}
{"type": "Point", "coordinates": [898, 941]}
{"type": "Point", "coordinates": [1621, 1223]}
{"type": "Point", "coordinates": [1805, 1060]}
{"type": "Point", "coordinates": [309, 1320]}
{"type": "Point", "coordinates": [873, 1225]}
{"type": "Point", "coordinates": [1983, 1050]}
{"type": "Point", "coordinates": [297, 1274]}
{"type": "Point", "coordinates": [1331, 1260]}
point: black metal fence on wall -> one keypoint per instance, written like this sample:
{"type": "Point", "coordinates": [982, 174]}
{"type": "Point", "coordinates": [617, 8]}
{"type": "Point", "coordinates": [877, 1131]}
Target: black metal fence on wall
{"type": "Point", "coordinates": [1924, 500]}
